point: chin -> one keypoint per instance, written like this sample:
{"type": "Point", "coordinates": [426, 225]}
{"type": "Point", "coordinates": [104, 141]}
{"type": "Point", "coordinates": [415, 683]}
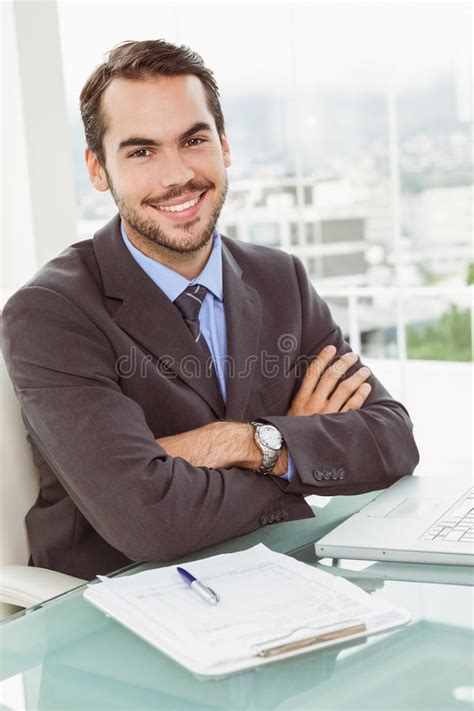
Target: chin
{"type": "Point", "coordinates": [182, 242]}
{"type": "Point", "coordinates": [193, 245]}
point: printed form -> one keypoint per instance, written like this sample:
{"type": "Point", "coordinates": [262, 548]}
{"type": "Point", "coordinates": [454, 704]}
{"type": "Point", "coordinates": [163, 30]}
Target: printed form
{"type": "Point", "coordinates": [267, 599]}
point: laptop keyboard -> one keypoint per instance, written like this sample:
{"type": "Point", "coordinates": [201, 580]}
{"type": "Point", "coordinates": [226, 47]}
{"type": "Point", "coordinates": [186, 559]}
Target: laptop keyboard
{"type": "Point", "coordinates": [457, 524]}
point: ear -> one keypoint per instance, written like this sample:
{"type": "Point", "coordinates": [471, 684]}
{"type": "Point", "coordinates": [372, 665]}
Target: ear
{"type": "Point", "coordinates": [96, 172]}
{"type": "Point", "coordinates": [225, 150]}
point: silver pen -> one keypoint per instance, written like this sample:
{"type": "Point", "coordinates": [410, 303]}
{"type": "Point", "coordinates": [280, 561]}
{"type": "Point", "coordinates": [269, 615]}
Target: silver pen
{"type": "Point", "coordinates": [204, 592]}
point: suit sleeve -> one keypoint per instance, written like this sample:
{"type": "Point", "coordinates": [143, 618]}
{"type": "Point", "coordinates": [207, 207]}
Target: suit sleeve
{"type": "Point", "coordinates": [96, 440]}
{"type": "Point", "coordinates": [344, 453]}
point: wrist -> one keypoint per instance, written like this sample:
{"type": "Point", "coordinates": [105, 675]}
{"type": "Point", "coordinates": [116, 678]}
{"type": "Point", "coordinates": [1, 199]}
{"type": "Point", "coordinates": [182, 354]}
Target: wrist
{"type": "Point", "coordinates": [249, 455]}
{"type": "Point", "coordinates": [281, 467]}
{"type": "Point", "coordinates": [238, 445]}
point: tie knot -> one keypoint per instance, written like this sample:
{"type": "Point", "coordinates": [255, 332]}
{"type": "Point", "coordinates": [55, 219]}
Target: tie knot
{"type": "Point", "coordinates": [189, 302]}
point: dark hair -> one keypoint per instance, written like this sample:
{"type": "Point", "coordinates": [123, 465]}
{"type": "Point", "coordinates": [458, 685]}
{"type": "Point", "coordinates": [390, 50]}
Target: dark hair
{"type": "Point", "coordinates": [137, 60]}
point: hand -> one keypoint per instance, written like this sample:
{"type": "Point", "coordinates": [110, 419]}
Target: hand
{"type": "Point", "coordinates": [320, 392]}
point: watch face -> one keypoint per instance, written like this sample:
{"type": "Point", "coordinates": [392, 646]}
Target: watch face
{"type": "Point", "coordinates": [270, 436]}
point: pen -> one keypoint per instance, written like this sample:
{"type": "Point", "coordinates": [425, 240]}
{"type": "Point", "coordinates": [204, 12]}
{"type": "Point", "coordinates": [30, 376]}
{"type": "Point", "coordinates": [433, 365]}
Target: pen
{"type": "Point", "coordinates": [202, 590]}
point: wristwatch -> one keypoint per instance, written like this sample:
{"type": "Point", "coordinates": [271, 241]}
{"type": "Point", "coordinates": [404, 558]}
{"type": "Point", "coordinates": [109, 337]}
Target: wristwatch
{"type": "Point", "coordinates": [269, 440]}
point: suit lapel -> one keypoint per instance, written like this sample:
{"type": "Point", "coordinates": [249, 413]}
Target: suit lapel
{"type": "Point", "coordinates": [243, 311]}
{"type": "Point", "coordinates": [147, 315]}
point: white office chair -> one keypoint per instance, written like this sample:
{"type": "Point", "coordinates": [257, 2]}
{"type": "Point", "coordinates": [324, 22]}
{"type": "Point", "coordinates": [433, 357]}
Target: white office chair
{"type": "Point", "coordinates": [20, 585]}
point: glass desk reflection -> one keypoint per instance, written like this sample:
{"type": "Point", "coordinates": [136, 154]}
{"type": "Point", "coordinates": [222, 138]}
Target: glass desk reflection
{"type": "Point", "coordinates": [67, 655]}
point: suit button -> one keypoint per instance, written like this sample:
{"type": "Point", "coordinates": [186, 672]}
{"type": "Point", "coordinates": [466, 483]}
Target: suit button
{"type": "Point", "coordinates": [317, 475]}
{"type": "Point", "coordinates": [278, 516]}
{"type": "Point", "coordinates": [327, 475]}
{"type": "Point", "coordinates": [264, 520]}
{"type": "Point", "coordinates": [340, 473]}
{"type": "Point", "coordinates": [285, 515]}
{"type": "Point", "coordinates": [271, 518]}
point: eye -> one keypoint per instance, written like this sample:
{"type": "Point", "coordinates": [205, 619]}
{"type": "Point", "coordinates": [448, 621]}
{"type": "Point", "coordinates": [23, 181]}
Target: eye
{"type": "Point", "coordinates": [195, 141]}
{"type": "Point", "coordinates": [140, 153]}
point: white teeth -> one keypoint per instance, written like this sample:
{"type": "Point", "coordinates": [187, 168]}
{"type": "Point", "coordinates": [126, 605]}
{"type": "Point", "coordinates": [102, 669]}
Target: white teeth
{"type": "Point", "coordinates": [180, 208]}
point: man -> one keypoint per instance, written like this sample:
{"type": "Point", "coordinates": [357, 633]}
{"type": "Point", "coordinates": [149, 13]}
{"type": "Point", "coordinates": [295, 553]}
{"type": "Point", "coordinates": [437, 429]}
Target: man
{"type": "Point", "coordinates": [161, 367]}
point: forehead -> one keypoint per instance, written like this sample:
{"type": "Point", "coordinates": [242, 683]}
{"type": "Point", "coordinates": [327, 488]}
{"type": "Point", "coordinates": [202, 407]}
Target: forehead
{"type": "Point", "coordinates": [161, 107]}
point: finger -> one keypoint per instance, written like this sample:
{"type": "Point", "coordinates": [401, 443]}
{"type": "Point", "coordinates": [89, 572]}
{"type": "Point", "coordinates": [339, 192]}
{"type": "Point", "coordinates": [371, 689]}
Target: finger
{"type": "Point", "coordinates": [315, 370]}
{"type": "Point", "coordinates": [347, 388]}
{"type": "Point", "coordinates": [358, 399]}
{"type": "Point", "coordinates": [332, 376]}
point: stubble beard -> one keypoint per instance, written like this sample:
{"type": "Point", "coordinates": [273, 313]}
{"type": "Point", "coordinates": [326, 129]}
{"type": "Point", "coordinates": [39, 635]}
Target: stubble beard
{"type": "Point", "coordinates": [184, 241]}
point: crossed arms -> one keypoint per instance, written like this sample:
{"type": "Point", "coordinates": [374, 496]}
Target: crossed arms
{"type": "Point", "coordinates": [231, 444]}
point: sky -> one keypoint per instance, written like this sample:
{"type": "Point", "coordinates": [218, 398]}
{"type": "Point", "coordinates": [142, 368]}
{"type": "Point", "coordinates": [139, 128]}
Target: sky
{"type": "Point", "coordinates": [280, 46]}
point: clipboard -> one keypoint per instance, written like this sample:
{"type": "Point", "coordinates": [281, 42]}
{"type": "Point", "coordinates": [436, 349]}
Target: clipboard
{"type": "Point", "coordinates": [282, 644]}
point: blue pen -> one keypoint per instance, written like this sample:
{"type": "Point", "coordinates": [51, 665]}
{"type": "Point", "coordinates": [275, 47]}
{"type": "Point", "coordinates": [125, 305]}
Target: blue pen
{"type": "Point", "coordinates": [202, 590]}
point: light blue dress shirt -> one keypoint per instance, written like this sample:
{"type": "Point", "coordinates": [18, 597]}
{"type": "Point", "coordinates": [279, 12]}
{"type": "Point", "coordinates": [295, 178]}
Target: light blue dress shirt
{"type": "Point", "coordinates": [212, 314]}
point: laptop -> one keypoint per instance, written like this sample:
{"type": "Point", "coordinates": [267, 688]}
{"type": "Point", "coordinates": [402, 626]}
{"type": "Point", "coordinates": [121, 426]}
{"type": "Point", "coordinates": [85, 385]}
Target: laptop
{"type": "Point", "coordinates": [417, 520]}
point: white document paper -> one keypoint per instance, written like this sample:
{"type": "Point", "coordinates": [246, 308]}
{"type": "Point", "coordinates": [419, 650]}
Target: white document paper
{"type": "Point", "coordinates": [267, 599]}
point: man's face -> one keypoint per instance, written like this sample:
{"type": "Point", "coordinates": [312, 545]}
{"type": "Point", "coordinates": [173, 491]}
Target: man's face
{"type": "Point", "coordinates": [165, 163]}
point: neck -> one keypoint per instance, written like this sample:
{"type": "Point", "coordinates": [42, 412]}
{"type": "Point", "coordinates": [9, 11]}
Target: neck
{"type": "Point", "coordinates": [188, 264]}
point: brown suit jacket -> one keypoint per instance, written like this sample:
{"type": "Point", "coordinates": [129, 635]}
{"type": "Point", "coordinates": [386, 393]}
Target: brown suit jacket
{"type": "Point", "coordinates": [103, 364]}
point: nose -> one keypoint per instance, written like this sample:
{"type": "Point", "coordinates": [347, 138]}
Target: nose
{"type": "Point", "coordinates": [174, 170]}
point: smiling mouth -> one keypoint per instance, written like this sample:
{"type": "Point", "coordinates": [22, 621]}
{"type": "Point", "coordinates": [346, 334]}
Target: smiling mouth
{"type": "Point", "coordinates": [182, 207]}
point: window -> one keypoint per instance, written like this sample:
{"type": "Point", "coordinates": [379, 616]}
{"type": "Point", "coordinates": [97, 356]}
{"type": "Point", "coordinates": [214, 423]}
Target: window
{"type": "Point", "coordinates": [293, 233]}
{"type": "Point", "coordinates": [266, 234]}
{"type": "Point", "coordinates": [343, 264]}
{"type": "Point", "coordinates": [310, 233]}
{"type": "Point", "coordinates": [308, 195]}
{"type": "Point", "coordinates": [342, 231]}
{"type": "Point", "coordinates": [366, 174]}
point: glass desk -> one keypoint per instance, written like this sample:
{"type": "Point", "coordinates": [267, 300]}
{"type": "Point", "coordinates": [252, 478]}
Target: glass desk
{"type": "Point", "coordinates": [67, 655]}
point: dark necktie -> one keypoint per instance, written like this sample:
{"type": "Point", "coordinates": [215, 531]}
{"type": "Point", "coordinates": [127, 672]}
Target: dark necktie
{"type": "Point", "coordinates": [189, 302]}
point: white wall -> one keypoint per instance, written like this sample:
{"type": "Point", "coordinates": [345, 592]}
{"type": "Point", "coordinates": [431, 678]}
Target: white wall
{"type": "Point", "coordinates": [438, 396]}
{"type": "Point", "coordinates": [39, 217]}
{"type": "Point", "coordinates": [18, 245]}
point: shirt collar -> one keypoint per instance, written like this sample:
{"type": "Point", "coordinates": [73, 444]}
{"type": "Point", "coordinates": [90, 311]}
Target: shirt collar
{"type": "Point", "coordinates": [172, 283]}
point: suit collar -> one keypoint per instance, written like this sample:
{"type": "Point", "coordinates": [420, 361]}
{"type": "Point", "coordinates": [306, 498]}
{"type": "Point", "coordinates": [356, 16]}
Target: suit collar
{"type": "Point", "coordinates": [243, 311]}
{"type": "Point", "coordinates": [152, 320]}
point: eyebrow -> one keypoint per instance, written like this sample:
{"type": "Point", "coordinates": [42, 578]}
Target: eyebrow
{"type": "Point", "coordinates": [143, 141]}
